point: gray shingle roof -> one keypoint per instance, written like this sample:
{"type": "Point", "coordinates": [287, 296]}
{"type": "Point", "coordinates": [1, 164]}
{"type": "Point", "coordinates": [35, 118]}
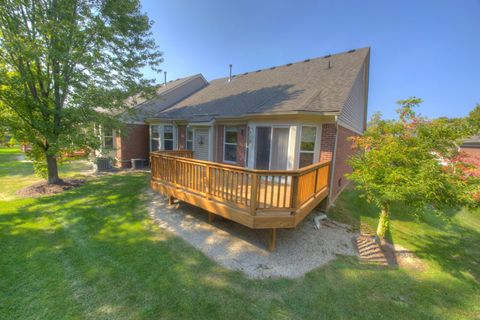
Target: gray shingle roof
{"type": "Point", "coordinates": [143, 108]}
{"type": "Point", "coordinates": [473, 142]}
{"type": "Point", "coordinates": [309, 85]}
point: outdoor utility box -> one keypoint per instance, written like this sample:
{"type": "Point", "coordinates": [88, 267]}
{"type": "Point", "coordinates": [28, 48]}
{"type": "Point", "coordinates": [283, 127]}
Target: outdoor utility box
{"type": "Point", "coordinates": [139, 164]}
{"type": "Point", "coordinates": [103, 164]}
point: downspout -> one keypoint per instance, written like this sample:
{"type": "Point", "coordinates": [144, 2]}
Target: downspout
{"type": "Point", "coordinates": [334, 157]}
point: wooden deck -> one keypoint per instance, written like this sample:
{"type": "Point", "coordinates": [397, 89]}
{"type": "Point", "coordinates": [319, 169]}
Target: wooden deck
{"type": "Point", "coordinates": [260, 199]}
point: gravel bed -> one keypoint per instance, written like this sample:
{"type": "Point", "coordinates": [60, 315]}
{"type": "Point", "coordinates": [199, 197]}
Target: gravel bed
{"type": "Point", "coordinates": [237, 247]}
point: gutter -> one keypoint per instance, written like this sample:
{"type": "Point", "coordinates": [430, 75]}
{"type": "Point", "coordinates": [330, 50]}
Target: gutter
{"type": "Point", "coordinates": [334, 158]}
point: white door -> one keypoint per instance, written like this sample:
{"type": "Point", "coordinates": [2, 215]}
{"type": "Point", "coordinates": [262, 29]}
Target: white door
{"type": "Point", "coordinates": [201, 143]}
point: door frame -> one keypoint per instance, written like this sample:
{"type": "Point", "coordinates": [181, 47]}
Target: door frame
{"type": "Point", "coordinates": [210, 140]}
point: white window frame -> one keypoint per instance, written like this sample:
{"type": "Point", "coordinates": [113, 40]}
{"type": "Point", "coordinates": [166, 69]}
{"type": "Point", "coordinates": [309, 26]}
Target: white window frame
{"type": "Point", "coordinates": [314, 144]}
{"type": "Point", "coordinates": [163, 136]}
{"type": "Point", "coordinates": [159, 139]}
{"type": "Point", "coordinates": [189, 140]}
{"type": "Point", "coordinates": [229, 143]}
{"type": "Point", "coordinates": [318, 140]}
{"type": "Point", "coordinates": [106, 135]}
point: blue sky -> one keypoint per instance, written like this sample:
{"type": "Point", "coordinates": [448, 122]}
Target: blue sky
{"type": "Point", "coordinates": [428, 49]}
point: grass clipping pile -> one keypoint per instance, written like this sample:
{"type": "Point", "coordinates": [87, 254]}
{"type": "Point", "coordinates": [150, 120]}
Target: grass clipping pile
{"type": "Point", "coordinates": [43, 188]}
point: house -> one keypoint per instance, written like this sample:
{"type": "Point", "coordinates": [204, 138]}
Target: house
{"type": "Point", "coordinates": [133, 141]}
{"type": "Point", "coordinates": [471, 149]}
{"type": "Point", "coordinates": [280, 118]}
{"type": "Point", "coordinates": [262, 148]}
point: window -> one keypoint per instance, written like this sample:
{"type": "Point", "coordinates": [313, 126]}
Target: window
{"type": "Point", "coordinates": [155, 138]}
{"type": "Point", "coordinates": [230, 144]}
{"type": "Point", "coordinates": [307, 146]}
{"type": "Point", "coordinates": [189, 138]}
{"type": "Point", "coordinates": [107, 139]}
{"type": "Point", "coordinates": [167, 137]}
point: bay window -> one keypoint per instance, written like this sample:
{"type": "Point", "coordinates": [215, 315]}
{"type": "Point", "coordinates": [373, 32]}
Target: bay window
{"type": "Point", "coordinates": [155, 138]}
{"type": "Point", "coordinates": [168, 137]}
{"type": "Point", "coordinates": [230, 144]}
{"type": "Point", "coordinates": [307, 146]}
{"type": "Point", "coordinates": [189, 138]}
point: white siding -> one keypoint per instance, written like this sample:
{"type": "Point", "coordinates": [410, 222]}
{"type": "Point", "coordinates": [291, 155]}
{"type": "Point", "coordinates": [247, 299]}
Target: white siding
{"type": "Point", "coordinates": [201, 143]}
{"type": "Point", "coordinates": [353, 113]}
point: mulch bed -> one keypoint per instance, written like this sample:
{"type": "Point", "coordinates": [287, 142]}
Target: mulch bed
{"type": "Point", "coordinates": [43, 188]}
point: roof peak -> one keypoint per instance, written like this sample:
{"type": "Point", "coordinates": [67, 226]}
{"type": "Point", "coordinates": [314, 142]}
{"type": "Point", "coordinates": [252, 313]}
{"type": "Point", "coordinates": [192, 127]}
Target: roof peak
{"type": "Point", "coordinates": [296, 62]}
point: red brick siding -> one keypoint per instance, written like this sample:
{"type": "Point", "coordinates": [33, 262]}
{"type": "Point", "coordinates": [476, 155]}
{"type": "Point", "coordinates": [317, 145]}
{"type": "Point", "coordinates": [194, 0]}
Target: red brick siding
{"type": "Point", "coordinates": [241, 144]}
{"type": "Point", "coordinates": [182, 136]}
{"type": "Point", "coordinates": [473, 154]}
{"type": "Point", "coordinates": [327, 143]}
{"type": "Point", "coordinates": [219, 130]}
{"type": "Point", "coordinates": [343, 153]}
{"type": "Point", "coordinates": [132, 144]}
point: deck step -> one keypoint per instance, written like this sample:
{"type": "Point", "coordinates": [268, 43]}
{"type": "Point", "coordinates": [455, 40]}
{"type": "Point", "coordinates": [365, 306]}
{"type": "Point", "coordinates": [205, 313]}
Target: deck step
{"type": "Point", "coordinates": [370, 252]}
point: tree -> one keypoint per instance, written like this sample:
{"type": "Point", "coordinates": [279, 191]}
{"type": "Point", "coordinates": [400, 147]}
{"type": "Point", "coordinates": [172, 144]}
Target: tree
{"type": "Point", "coordinates": [64, 64]}
{"type": "Point", "coordinates": [413, 161]}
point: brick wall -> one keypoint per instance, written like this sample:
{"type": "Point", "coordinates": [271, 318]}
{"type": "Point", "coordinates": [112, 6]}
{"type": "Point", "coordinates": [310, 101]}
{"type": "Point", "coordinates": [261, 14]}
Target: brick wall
{"type": "Point", "coordinates": [132, 144]}
{"type": "Point", "coordinates": [241, 144]}
{"type": "Point", "coordinates": [218, 140]}
{"type": "Point", "coordinates": [344, 151]}
{"type": "Point", "coordinates": [182, 136]}
{"type": "Point", "coordinates": [473, 154]}
{"type": "Point", "coordinates": [327, 143]}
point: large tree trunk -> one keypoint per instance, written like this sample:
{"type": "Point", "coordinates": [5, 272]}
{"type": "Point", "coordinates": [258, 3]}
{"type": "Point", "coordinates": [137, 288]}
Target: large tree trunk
{"type": "Point", "coordinates": [52, 170]}
{"type": "Point", "coordinates": [384, 222]}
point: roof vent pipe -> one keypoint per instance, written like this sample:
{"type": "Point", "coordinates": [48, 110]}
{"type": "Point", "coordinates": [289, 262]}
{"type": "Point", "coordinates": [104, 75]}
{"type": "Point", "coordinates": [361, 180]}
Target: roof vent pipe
{"type": "Point", "coordinates": [165, 78]}
{"type": "Point", "coordinates": [230, 75]}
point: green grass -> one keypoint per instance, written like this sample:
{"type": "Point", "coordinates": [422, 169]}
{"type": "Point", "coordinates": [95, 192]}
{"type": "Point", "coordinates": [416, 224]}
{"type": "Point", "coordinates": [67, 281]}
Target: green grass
{"type": "Point", "coordinates": [17, 174]}
{"type": "Point", "coordinates": [92, 252]}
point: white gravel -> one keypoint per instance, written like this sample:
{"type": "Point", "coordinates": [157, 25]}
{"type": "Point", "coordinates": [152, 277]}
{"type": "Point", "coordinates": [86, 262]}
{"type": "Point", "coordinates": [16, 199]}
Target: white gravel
{"type": "Point", "coordinates": [240, 248]}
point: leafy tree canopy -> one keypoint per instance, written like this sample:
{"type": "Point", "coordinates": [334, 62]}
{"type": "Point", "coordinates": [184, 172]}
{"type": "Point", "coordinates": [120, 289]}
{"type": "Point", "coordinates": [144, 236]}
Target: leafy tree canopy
{"type": "Point", "coordinates": [415, 161]}
{"type": "Point", "coordinates": [67, 64]}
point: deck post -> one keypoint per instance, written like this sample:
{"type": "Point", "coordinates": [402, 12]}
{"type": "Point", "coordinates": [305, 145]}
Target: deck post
{"type": "Point", "coordinates": [273, 240]}
{"type": "Point", "coordinates": [316, 179]}
{"type": "Point", "coordinates": [294, 193]}
{"type": "Point", "coordinates": [253, 194]}
{"type": "Point", "coordinates": [211, 216]}
{"type": "Point", "coordinates": [171, 200]}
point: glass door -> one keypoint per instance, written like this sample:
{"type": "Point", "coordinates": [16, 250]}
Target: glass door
{"type": "Point", "coordinates": [279, 157]}
{"type": "Point", "coordinates": [262, 148]}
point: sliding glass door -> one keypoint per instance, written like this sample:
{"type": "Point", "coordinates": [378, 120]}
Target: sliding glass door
{"type": "Point", "coordinates": [271, 148]}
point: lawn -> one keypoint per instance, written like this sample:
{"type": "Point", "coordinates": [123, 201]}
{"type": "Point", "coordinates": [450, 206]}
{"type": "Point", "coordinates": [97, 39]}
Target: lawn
{"type": "Point", "coordinates": [17, 172]}
{"type": "Point", "coordinates": [92, 252]}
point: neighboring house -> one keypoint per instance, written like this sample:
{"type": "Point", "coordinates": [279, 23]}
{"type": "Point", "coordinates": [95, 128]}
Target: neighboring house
{"type": "Point", "coordinates": [133, 141]}
{"type": "Point", "coordinates": [471, 148]}
{"type": "Point", "coordinates": [279, 118]}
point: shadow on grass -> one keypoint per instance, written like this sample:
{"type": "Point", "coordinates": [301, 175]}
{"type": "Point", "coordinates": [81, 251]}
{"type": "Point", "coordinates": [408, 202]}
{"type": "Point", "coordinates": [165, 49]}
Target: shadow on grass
{"type": "Point", "coordinates": [92, 252]}
{"type": "Point", "coordinates": [435, 237]}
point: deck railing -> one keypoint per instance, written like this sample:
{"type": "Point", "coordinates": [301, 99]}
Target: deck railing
{"type": "Point", "coordinates": [250, 190]}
